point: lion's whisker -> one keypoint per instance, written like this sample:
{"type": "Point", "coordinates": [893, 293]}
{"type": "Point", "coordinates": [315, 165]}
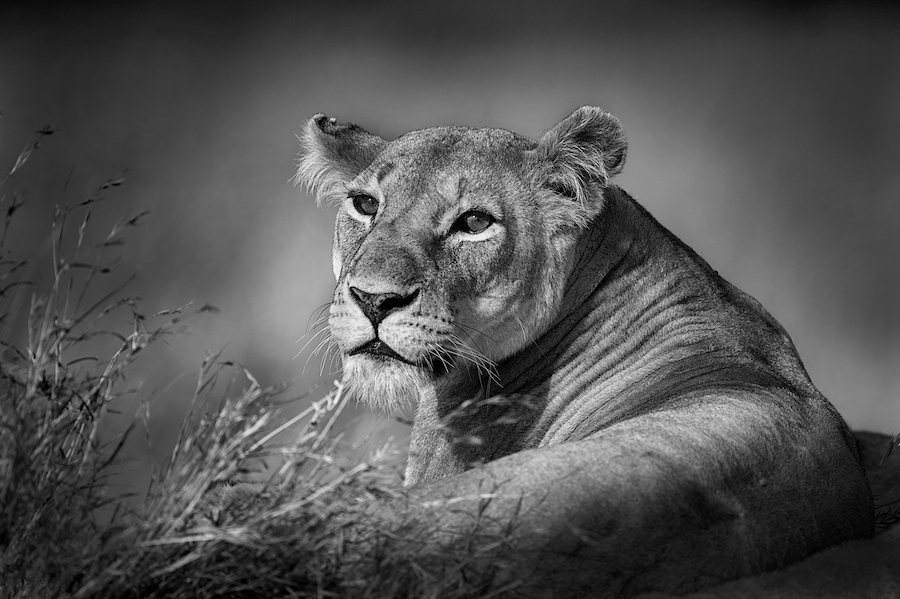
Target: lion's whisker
{"type": "Point", "coordinates": [311, 339]}
{"type": "Point", "coordinates": [478, 359]}
{"type": "Point", "coordinates": [439, 352]}
{"type": "Point", "coordinates": [334, 354]}
{"type": "Point", "coordinates": [317, 315]}
{"type": "Point", "coordinates": [473, 329]}
{"type": "Point", "coordinates": [326, 342]}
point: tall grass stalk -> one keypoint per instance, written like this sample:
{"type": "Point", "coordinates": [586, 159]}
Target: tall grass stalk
{"type": "Point", "coordinates": [231, 514]}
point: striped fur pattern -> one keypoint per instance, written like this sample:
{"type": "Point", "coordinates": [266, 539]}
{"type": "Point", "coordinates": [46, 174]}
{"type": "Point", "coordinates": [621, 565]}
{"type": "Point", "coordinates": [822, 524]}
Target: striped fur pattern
{"type": "Point", "coordinates": [651, 426]}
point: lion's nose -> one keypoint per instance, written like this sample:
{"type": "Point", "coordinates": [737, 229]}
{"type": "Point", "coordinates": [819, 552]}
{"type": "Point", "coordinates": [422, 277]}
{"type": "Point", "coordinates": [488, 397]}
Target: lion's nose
{"type": "Point", "coordinates": [377, 306]}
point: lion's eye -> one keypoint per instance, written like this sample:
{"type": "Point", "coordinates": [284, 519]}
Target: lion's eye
{"type": "Point", "coordinates": [473, 221]}
{"type": "Point", "coordinates": [365, 204]}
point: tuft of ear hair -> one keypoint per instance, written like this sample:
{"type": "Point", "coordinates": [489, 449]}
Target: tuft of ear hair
{"type": "Point", "coordinates": [331, 155]}
{"type": "Point", "coordinates": [579, 157]}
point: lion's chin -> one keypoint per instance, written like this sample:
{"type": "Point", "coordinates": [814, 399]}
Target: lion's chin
{"type": "Point", "coordinates": [385, 383]}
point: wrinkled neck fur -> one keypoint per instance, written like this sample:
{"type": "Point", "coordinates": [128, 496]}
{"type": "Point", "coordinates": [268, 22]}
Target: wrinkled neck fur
{"type": "Point", "coordinates": [614, 242]}
{"type": "Point", "coordinates": [612, 253]}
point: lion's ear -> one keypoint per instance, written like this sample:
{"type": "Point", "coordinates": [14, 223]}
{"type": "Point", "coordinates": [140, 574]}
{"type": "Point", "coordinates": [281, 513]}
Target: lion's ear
{"type": "Point", "coordinates": [332, 154]}
{"type": "Point", "coordinates": [579, 157]}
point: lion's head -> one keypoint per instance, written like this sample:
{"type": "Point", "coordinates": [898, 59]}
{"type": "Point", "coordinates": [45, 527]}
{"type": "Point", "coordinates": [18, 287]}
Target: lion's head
{"type": "Point", "coordinates": [452, 245]}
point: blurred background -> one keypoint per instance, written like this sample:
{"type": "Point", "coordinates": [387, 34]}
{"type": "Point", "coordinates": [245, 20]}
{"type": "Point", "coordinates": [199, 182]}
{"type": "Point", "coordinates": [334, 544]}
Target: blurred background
{"type": "Point", "coordinates": [767, 138]}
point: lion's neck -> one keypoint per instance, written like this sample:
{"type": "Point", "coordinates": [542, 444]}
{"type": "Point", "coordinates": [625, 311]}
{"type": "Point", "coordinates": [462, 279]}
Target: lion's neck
{"type": "Point", "coordinates": [595, 349]}
{"type": "Point", "coordinates": [619, 292]}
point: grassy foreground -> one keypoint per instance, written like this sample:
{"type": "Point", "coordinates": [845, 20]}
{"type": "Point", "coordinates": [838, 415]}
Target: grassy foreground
{"type": "Point", "coordinates": [308, 525]}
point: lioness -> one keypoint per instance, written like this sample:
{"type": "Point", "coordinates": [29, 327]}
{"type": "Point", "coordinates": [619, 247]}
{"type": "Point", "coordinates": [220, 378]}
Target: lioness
{"type": "Point", "coordinates": [577, 368]}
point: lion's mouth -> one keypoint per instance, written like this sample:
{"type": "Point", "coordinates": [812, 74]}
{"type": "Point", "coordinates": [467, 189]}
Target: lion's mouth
{"type": "Point", "coordinates": [378, 349]}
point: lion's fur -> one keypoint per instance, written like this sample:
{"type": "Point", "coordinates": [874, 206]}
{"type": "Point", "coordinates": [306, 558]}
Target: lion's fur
{"type": "Point", "coordinates": [650, 426]}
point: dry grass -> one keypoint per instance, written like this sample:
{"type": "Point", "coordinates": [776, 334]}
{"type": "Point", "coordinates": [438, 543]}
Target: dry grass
{"type": "Point", "coordinates": [232, 514]}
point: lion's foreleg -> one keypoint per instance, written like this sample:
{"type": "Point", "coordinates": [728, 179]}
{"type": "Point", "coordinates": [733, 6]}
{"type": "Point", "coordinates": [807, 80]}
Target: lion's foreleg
{"type": "Point", "coordinates": [676, 500]}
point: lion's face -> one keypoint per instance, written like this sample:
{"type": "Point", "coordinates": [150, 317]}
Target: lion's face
{"type": "Point", "coordinates": [441, 272]}
{"type": "Point", "coordinates": [451, 250]}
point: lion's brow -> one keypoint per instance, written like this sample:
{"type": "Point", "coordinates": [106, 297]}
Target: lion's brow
{"type": "Point", "coordinates": [451, 187]}
{"type": "Point", "coordinates": [384, 171]}
{"type": "Point", "coordinates": [462, 185]}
